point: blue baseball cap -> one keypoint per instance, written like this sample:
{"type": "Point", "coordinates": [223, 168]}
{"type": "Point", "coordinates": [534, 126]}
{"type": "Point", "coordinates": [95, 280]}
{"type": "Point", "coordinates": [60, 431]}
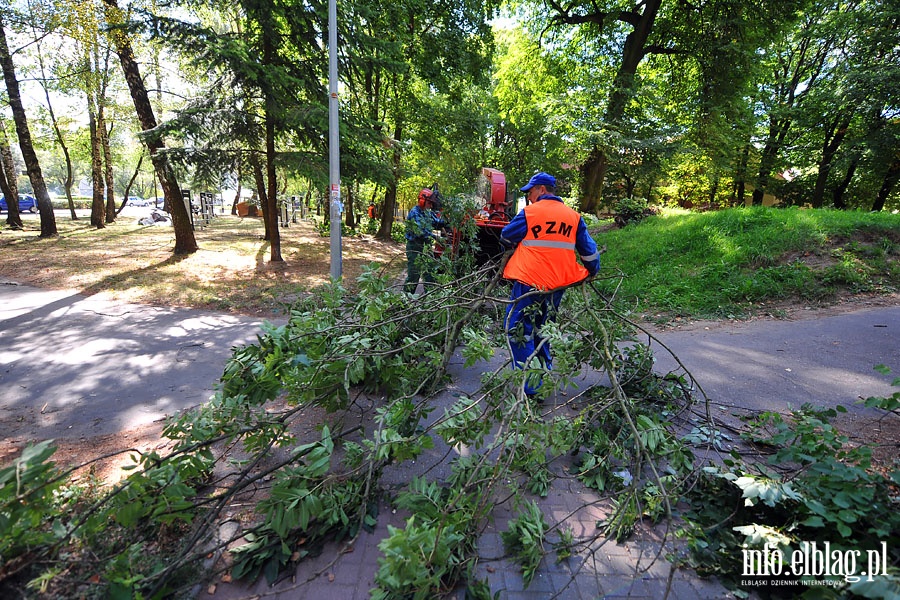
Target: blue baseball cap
{"type": "Point", "coordinates": [539, 179]}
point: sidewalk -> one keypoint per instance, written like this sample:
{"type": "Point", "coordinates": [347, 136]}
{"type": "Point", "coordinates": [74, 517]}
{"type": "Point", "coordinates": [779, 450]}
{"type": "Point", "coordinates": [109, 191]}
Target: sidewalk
{"type": "Point", "coordinates": [74, 366]}
{"type": "Point", "coordinates": [742, 366]}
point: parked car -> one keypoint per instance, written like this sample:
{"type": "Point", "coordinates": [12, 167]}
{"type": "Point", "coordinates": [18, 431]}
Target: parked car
{"type": "Point", "coordinates": [137, 201]}
{"type": "Point", "coordinates": [27, 203]}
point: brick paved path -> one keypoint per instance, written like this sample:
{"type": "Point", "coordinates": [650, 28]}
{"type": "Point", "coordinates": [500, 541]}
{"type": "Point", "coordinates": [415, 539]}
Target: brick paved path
{"type": "Point", "coordinates": [602, 568]}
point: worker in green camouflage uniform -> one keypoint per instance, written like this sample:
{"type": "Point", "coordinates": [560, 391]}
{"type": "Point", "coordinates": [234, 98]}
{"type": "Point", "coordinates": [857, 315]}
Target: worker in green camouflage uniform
{"type": "Point", "coordinates": [420, 222]}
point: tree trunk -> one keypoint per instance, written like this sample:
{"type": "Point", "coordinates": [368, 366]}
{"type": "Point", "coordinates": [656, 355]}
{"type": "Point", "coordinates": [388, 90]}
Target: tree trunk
{"type": "Point", "coordinates": [778, 130]}
{"type": "Point", "coordinates": [185, 243]}
{"type": "Point", "coordinates": [271, 199]}
{"type": "Point", "coordinates": [69, 182]}
{"type": "Point", "coordinates": [890, 180]}
{"type": "Point", "coordinates": [271, 214]}
{"type": "Point", "coordinates": [765, 169]}
{"type": "Point", "coordinates": [7, 193]}
{"type": "Point", "coordinates": [390, 192]}
{"type": "Point", "coordinates": [713, 190]}
{"type": "Point", "coordinates": [107, 167]}
{"type": "Point", "coordinates": [594, 169]}
{"type": "Point", "coordinates": [350, 219]}
{"type": "Point", "coordinates": [260, 181]}
{"type": "Point", "coordinates": [9, 181]}
{"type": "Point", "coordinates": [237, 195]}
{"type": "Point", "coordinates": [838, 194]}
{"type": "Point", "coordinates": [740, 184]}
{"type": "Point", "coordinates": [798, 75]}
{"type": "Point", "coordinates": [70, 171]}
{"type": "Point", "coordinates": [48, 220]}
{"type": "Point", "coordinates": [97, 203]}
{"type": "Point", "coordinates": [127, 194]}
{"type": "Point", "coordinates": [833, 139]}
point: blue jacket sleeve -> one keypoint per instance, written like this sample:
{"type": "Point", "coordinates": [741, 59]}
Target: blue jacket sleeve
{"type": "Point", "coordinates": [413, 224]}
{"type": "Point", "coordinates": [587, 249]}
{"type": "Point", "coordinates": [419, 224]}
{"type": "Point", "coordinates": [515, 231]}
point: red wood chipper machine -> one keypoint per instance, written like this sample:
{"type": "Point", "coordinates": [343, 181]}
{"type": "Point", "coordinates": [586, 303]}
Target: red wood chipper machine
{"type": "Point", "coordinates": [493, 215]}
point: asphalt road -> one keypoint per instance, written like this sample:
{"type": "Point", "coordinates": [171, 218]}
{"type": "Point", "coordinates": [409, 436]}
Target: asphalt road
{"type": "Point", "coordinates": [767, 364]}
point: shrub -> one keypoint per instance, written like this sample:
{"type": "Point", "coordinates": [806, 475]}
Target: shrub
{"type": "Point", "coordinates": [632, 210]}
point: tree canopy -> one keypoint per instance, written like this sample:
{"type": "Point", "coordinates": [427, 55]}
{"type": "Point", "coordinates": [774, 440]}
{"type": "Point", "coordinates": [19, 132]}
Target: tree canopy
{"type": "Point", "coordinates": [708, 103]}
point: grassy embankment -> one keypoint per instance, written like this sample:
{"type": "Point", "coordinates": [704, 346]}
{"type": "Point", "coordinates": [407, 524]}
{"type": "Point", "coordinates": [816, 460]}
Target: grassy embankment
{"type": "Point", "coordinates": [737, 262]}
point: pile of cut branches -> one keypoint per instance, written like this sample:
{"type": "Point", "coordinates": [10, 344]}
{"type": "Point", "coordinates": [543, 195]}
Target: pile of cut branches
{"type": "Point", "coordinates": [373, 367]}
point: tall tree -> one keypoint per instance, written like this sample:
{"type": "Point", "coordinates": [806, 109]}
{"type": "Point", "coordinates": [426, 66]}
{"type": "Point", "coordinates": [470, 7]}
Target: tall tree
{"type": "Point", "coordinates": [891, 177]}
{"type": "Point", "coordinates": [626, 32]}
{"type": "Point", "coordinates": [526, 133]}
{"type": "Point", "coordinates": [271, 34]}
{"type": "Point", "coordinates": [109, 180]}
{"type": "Point", "coordinates": [185, 242]}
{"type": "Point", "coordinates": [93, 75]}
{"type": "Point", "coordinates": [834, 132]}
{"type": "Point", "coordinates": [266, 107]}
{"type": "Point", "coordinates": [396, 56]}
{"type": "Point", "coordinates": [32, 166]}
{"type": "Point", "coordinates": [640, 18]}
{"type": "Point", "coordinates": [833, 106]}
{"type": "Point", "coordinates": [879, 74]}
{"type": "Point", "coordinates": [724, 40]}
{"type": "Point", "coordinates": [268, 73]}
{"type": "Point", "coordinates": [69, 179]}
{"type": "Point", "coordinates": [797, 66]}
{"type": "Point", "coordinates": [9, 180]}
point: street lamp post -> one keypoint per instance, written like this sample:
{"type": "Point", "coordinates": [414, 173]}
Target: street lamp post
{"type": "Point", "coordinates": [334, 143]}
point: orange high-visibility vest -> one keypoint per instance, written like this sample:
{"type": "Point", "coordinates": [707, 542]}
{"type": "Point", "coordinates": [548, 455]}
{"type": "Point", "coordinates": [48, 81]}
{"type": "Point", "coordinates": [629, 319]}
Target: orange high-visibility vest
{"type": "Point", "coordinates": [545, 258]}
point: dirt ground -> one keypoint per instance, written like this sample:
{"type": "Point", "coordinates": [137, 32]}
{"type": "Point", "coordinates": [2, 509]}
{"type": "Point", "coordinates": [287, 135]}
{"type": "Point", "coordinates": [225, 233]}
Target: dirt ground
{"type": "Point", "coordinates": [231, 272]}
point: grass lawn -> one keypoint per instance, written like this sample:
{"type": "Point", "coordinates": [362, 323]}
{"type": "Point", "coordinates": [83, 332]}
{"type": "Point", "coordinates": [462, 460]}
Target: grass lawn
{"type": "Point", "coordinates": [737, 262]}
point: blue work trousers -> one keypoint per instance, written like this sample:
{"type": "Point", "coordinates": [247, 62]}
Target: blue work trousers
{"type": "Point", "coordinates": [524, 318]}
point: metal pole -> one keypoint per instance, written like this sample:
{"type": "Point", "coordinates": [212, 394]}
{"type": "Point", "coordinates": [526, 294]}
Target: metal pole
{"type": "Point", "coordinates": [334, 142]}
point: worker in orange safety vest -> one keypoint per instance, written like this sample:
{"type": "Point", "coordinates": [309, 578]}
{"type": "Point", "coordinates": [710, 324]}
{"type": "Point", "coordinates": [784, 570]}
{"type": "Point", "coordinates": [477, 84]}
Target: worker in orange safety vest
{"type": "Point", "coordinates": [546, 235]}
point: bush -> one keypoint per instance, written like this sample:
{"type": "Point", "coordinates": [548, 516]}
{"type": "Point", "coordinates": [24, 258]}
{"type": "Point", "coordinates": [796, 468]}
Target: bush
{"type": "Point", "coordinates": [632, 210]}
{"type": "Point", "coordinates": [398, 232]}
{"type": "Point", "coordinates": [816, 484]}
{"type": "Point", "coordinates": [324, 229]}
{"type": "Point", "coordinates": [80, 202]}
